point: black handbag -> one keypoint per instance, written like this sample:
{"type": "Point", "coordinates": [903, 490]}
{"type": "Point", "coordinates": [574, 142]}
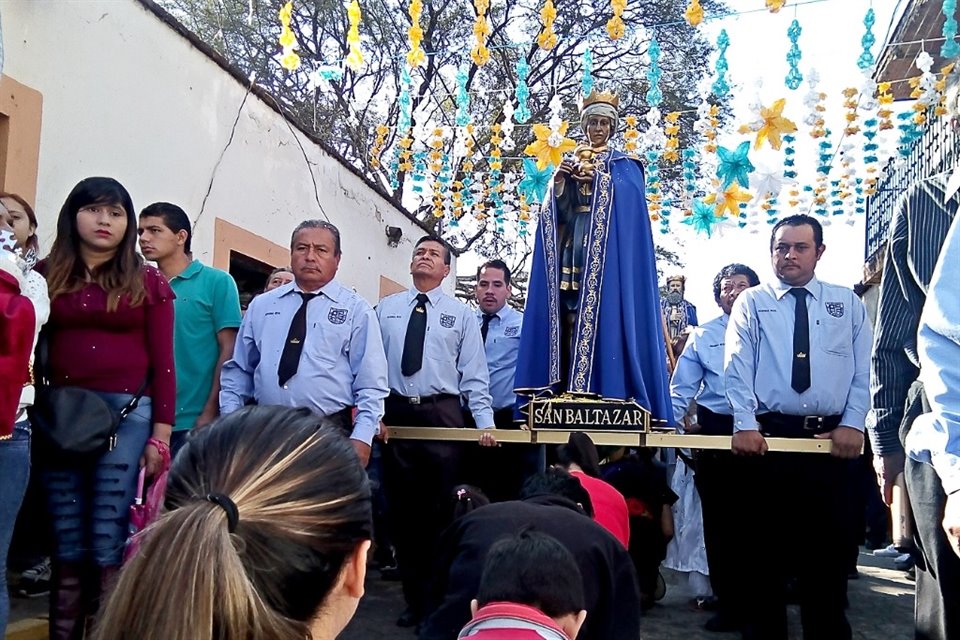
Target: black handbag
{"type": "Point", "coordinates": [74, 424]}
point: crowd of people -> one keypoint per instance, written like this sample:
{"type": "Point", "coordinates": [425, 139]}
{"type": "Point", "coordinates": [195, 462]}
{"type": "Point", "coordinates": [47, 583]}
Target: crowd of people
{"type": "Point", "coordinates": [275, 420]}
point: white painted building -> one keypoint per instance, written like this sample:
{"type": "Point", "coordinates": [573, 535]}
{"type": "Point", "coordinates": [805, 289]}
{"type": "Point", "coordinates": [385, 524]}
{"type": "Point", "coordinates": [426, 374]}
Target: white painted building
{"type": "Point", "coordinates": [117, 88]}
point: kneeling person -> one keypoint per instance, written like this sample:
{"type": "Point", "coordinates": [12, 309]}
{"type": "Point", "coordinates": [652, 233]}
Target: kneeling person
{"type": "Point", "coordinates": [530, 583]}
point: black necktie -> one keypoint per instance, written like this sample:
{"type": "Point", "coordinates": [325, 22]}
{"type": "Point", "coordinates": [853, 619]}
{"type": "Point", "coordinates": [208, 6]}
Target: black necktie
{"type": "Point", "coordinates": [487, 317]}
{"type": "Point", "coordinates": [293, 347]}
{"type": "Point", "coordinates": [412, 359]}
{"type": "Point", "coordinates": [800, 379]}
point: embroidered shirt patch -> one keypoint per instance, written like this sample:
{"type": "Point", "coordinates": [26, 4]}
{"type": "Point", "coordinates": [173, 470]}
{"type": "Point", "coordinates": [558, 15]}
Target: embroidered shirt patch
{"type": "Point", "coordinates": [835, 309]}
{"type": "Point", "coordinates": [337, 316]}
{"type": "Point", "coordinates": [446, 321]}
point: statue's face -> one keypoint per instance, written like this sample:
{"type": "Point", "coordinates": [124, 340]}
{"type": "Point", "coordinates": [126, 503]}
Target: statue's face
{"type": "Point", "coordinates": [675, 286]}
{"type": "Point", "coordinates": [598, 130]}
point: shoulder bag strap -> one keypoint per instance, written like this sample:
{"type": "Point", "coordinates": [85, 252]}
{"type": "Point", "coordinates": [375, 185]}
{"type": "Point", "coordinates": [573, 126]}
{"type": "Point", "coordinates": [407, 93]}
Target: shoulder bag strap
{"type": "Point", "coordinates": [128, 408]}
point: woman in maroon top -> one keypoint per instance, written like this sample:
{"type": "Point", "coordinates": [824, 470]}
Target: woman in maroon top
{"type": "Point", "coordinates": [110, 329]}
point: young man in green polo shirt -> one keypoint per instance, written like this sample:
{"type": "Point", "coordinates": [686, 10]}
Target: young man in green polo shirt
{"type": "Point", "coordinates": [207, 311]}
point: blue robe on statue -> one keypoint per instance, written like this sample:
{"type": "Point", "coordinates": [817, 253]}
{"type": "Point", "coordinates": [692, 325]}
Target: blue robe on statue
{"type": "Point", "coordinates": [617, 338]}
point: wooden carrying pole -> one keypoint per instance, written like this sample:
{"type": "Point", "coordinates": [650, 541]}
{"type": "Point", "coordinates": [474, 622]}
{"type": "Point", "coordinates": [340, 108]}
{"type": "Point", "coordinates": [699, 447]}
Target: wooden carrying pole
{"type": "Point", "coordinates": [604, 438]}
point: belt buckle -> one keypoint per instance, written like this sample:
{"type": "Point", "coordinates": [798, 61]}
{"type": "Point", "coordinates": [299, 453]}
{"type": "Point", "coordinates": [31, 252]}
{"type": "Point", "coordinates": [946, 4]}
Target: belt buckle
{"type": "Point", "coordinates": [816, 420]}
{"type": "Point", "coordinates": [413, 399]}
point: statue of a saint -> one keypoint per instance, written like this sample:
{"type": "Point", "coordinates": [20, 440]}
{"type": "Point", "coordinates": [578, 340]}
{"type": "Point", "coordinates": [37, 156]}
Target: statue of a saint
{"type": "Point", "coordinates": [592, 322]}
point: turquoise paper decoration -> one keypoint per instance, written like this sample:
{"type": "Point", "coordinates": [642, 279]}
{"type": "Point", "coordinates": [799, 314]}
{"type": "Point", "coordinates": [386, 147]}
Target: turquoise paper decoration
{"type": "Point", "coordinates": [689, 171]}
{"type": "Point", "coordinates": [865, 61]}
{"type": "Point", "coordinates": [403, 122]}
{"type": "Point", "coordinates": [789, 157]}
{"type": "Point", "coordinates": [870, 147]}
{"type": "Point", "coordinates": [535, 182]}
{"type": "Point", "coordinates": [720, 86]}
{"type": "Point", "coordinates": [586, 83]}
{"type": "Point", "coordinates": [703, 217]}
{"type": "Point", "coordinates": [794, 77]}
{"type": "Point", "coordinates": [654, 95]}
{"type": "Point", "coordinates": [950, 48]}
{"type": "Point", "coordinates": [522, 113]}
{"type": "Point", "coordinates": [463, 96]}
{"type": "Point", "coordinates": [734, 165]}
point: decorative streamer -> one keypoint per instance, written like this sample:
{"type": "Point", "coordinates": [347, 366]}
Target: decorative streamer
{"type": "Point", "coordinates": [924, 89]}
{"type": "Point", "coordinates": [941, 86]}
{"type": "Point", "coordinates": [586, 83]}
{"type": "Point", "coordinates": [814, 102]}
{"type": "Point", "coordinates": [506, 128]}
{"type": "Point", "coordinates": [377, 148]}
{"type": "Point", "coordinates": [950, 48]}
{"type": "Point", "coordinates": [672, 130]}
{"type": "Point", "coordinates": [653, 185]}
{"type": "Point", "coordinates": [775, 5]}
{"type": "Point", "coordinates": [547, 38]}
{"type": "Point", "coordinates": [630, 136]}
{"type": "Point", "coordinates": [794, 77]}
{"type": "Point", "coordinates": [694, 13]}
{"type": "Point", "coordinates": [654, 95]}
{"type": "Point", "coordinates": [355, 57]}
{"type": "Point", "coordinates": [523, 219]}
{"type": "Point", "coordinates": [416, 55]}
{"type": "Point", "coordinates": [288, 40]}
{"type": "Point", "coordinates": [463, 96]}
{"type": "Point", "coordinates": [615, 26]}
{"type": "Point", "coordinates": [522, 93]}
{"type": "Point", "coordinates": [435, 157]}
{"type": "Point", "coordinates": [850, 104]}
{"type": "Point", "coordinates": [689, 174]}
{"type": "Point", "coordinates": [468, 180]}
{"type": "Point", "coordinates": [494, 182]}
{"type": "Point", "coordinates": [885, 98]}
{"type": "Point", "coordinates": [865, 61]}
{"type": "Point", "coordinates": [481, 31]}
{"type": "Point", "coordinates": [789, 157]}
{"type": "Point", "coordinates": [720, 86]}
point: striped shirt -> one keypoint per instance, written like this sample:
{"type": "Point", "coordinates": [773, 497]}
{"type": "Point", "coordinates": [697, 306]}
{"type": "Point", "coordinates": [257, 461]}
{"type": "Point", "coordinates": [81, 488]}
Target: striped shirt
{"type": "Point", "coordinates": [917, 230]}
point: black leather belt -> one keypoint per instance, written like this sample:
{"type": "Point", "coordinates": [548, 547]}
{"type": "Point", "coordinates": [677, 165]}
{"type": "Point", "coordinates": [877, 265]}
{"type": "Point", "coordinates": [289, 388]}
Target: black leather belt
{"type": "Point", "coordinates": [789, 426]}
{"type": "Point", "coordinates": [713, 423]}
{"type": "Point", "coordinates": [416, 400]}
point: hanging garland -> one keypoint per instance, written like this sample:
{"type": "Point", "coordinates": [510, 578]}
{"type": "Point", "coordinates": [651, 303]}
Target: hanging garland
{"type": "Point", "coordinates": [630, 136]}
{"type": "Point", "coordinates": [850, 104]}
{"type": "Point", "coordinates": [522, 92]}
{"type": "Point", "coordinates": [720, 86]}
{"type": "Point", "coordinates": [694, 13]}
{"type": "Point", "coordinates": [794, 77]}
{"type": "Point", "coordinates": [378, 143]}
{"type": "Point", "coordinates": [288, 40]}
{"type": "Point", "coordinates": [615, 26]}
{"type": "Point", "coordinates": [814, 102]}
{"type": "Point", "coordinates": [586, 82]}
{"type": "Point", "coordinates": [416, 55]}
{"type": "Point", "coordinates": [950, 48]}
{"type": "Point", "coordinates": [355, 57]}
{"type": "Point", "coordinates": [865, 61]}
{"type": "Point", "coordinates": [885, 98]}
{"type": "Point", "coordinates": [481, 31]}
{"type": "Point", "coordinates": [494, 184]}
{"type": "Point", "coordinates": [547, 38]}
{"type": "Point", "coordinates": [653, 185]}
{"type": "Point", "coordinates": [672, 130]}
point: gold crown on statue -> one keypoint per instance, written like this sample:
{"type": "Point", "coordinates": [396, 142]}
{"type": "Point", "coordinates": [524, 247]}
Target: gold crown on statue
{"type": "Point", "coordinates": [606, 97]}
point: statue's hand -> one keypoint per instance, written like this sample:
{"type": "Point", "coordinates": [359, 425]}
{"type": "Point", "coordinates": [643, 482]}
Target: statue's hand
{"type": "Point", "coordinates": [567, 168]}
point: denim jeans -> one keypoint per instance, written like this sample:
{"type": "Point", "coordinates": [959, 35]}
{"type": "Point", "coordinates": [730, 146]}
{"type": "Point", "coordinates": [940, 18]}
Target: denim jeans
{"type": "Point", "coordinates": [90, 504]}
{"type": "Point", "coordinates": [14, 473]}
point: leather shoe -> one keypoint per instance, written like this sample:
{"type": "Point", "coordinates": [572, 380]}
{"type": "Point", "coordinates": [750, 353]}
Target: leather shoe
{"type": "Point", "coordinates": [408, 618]}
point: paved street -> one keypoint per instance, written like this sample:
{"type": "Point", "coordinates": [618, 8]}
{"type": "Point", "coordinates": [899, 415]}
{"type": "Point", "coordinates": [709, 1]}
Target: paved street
{"type": "Point", "coordinates": [881, 606]}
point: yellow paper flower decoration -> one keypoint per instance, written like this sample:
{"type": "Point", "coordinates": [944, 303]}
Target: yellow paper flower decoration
{"type": "Point", "coordinates": [481, 31]}
{"type": "Point", "coordinates": [355, 57]}
{"type": "Point", "coordinates": [729, 200]}
{"type": "Point", "coordinates": [774, 125]}
{"type": "Point", "coordinates": [775, 5]}
{"type": "Point", "coordinates": [416, 56]}
{"type": "Point", "coordinates": [547, 38]}
{"type": "Point", "coordinates": [549, 146]}
{"type": "Point", "coordinates": [615, 26]}
{"type": "Point", "coordinates": [694, 13]}
{"type": "Point", "coordinates": [289, 60]}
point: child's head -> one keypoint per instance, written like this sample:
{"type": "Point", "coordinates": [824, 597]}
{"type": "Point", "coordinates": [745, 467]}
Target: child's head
{"type": "Point", "coordinates": [466, 498]}
{"type": "Point", "coordinates": [534, 569]}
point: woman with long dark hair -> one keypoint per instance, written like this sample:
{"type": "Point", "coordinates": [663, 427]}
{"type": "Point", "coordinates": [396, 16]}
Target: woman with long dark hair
{"type": "Point", "coordinates": [265, 535]}
{"type": "Point", "coordinates": [110, 332]}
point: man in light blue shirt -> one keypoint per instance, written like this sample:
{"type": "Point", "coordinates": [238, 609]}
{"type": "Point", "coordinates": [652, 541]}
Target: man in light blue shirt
{"type": "Point", "coordinates": [797, 365]}
{"type": "Point", "coordinates": [500, 331]}
{"type": "Point", "coordinates": [312, 343]}
{"type": "Point", "coordinates": [933, 445]}
{"type": "Point", "coordinates": [699, 374]}
{"type": "Point", "coordinates": [435, 357]}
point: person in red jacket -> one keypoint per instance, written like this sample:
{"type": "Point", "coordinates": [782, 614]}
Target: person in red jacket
{"type": "Point", "coordinates": [530, 589]}
{"type": "Point", "coordinates": [579, 457]}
